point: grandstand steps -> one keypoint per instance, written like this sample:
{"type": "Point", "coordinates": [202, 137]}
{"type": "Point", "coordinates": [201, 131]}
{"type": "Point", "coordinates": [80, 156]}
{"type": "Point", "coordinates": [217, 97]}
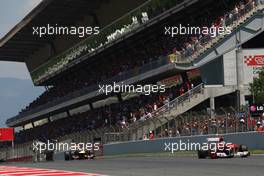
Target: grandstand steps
{"type": "Point", "coordinates": [246, 28]}
{"type": "Point", "coordinates": [182, 108]}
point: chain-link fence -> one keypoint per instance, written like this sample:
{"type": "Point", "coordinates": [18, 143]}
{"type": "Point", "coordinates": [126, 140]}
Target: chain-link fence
{"type": "Point", "coordinates": [21, 152]}
{"type": "Point", "coordinates": [225, 120]}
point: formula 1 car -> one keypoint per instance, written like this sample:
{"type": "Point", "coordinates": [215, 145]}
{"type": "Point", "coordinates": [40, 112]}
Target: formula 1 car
{"type": "Point", "coordinates": [78, 155]}
{"type": "Point", "coordinates": [222, 149]}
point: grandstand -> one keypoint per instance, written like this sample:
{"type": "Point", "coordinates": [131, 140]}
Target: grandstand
{"type": "Point", "coordinates": [205, 87]}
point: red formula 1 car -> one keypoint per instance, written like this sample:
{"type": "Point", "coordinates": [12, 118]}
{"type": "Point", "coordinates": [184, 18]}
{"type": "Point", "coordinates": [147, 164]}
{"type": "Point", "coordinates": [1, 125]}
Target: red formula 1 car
{"type": "Point", "coordinates": [216, 148]}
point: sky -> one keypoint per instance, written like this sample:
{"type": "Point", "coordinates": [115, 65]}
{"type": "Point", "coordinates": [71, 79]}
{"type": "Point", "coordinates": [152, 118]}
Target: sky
{"type": "Point", "coordinates": [11, 13]}
{"type": "Point", "coordinates": [16, 87]}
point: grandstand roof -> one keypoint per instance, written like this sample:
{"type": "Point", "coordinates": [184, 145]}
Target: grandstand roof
{"type": "Point", "coordinates": [19, 43]}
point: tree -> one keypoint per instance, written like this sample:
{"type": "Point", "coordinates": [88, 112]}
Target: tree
{"type": "Point", "coordinates": [257, 88]}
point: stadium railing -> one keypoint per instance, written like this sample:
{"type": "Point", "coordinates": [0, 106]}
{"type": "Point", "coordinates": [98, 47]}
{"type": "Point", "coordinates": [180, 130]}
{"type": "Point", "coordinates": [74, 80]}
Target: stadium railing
{"type": "Point", "coordinates": [227, 122]}
{"type": "Point", "coordinates": [208, 41]}
{"type": "Point", "coordinates": [176, 102]}
{"type": "Point", "coordinates": [157, 114]}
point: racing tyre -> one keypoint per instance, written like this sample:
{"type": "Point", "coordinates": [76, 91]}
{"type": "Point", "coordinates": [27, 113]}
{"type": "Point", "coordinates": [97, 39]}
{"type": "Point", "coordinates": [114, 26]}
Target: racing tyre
{"type": "Point", "coordinates": [213, 156]}
{"type": "Point", "coordinates": [201, 154]}
{"type": "Point", "coordinates": [67, 156]}
{"type": "Point", "coordinates": [244, 148]}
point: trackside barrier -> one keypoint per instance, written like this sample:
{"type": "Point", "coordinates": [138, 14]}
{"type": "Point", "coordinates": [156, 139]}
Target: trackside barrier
{"type": "Point", "coordinates": [253, 140]}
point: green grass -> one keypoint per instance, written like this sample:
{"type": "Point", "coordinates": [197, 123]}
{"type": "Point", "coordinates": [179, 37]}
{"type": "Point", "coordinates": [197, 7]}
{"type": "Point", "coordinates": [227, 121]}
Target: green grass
{"type": "Point", "coordinates": [257, 152]}
{"type": "Point", "coordinates": [158, 154]}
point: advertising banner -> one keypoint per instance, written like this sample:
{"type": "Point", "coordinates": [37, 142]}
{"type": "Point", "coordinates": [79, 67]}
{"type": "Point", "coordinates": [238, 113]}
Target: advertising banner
{"type": "Point", "coordinates": [256, 109]}
{"type": "Point", "coordinates": [253, 61]}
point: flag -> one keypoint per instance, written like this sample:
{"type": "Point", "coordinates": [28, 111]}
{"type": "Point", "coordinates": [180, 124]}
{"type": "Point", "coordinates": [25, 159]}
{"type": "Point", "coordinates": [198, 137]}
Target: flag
{"type": "Point", "coordinates": [6, 134]}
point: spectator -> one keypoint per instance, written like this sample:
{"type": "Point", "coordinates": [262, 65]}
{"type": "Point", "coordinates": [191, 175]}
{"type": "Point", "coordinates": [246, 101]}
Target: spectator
{"type": "Point", "coordinates": [259, 127]}
{"type": "Point", "coordinates": [151, 135]}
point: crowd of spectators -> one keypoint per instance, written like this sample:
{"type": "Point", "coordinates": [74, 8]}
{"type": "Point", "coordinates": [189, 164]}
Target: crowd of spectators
{"type": "Point", "coordinates": [121, 114]}
{"type": "Point", "coordinates": [135, 109]}
{"type": "Point", "coordinates": [187, 50]}
{"type": "Point", "coordinates": [100, 72]}
{"type": "Point", "coordinates": [158, 48]}
{"type": "Point", "coordinates": [109, 33]}
{"type": "Point", "coordinates": [193, 45]}
{"type": "Point", "coordinates": [201, 124]}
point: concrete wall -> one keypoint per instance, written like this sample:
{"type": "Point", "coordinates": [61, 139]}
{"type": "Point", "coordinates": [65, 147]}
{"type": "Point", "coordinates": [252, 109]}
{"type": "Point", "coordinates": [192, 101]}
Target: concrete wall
{"type": "Point", "coordinates": [212, 73]}
{"type": "Point", "coordinates": [230, 68]}
{"type": "Point", "coordinates": [253, 140]}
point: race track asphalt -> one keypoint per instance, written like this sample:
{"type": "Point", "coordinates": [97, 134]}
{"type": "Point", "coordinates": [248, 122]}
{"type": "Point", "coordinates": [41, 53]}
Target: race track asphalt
{"type": "Point", "coordinates": [161, 166]}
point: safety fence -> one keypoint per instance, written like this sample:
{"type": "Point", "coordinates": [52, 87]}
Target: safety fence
{"type": "Point", "coordinates": [20, 152]}
{"type": "Point", "coordinates": [223, 121]}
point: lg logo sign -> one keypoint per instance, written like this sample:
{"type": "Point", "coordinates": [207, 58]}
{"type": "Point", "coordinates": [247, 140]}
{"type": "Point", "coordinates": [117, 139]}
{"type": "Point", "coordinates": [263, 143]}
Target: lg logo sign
{"type": "Point", "coordinates": [256, 109]}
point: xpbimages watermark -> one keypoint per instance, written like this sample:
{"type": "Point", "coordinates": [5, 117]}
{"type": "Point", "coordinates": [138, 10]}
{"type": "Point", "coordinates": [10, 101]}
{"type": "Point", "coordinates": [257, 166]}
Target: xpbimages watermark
{"type": "Point", "coordinates": [194, 146]}
{"type": "Point", "coordinates": [59, 146]}
{"type": "Point", "coordinates": [196, 30]}
{"type": "Point", "coordinates": [125, 88]}
{"type": "Point", "coordinates": [81, 31]}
